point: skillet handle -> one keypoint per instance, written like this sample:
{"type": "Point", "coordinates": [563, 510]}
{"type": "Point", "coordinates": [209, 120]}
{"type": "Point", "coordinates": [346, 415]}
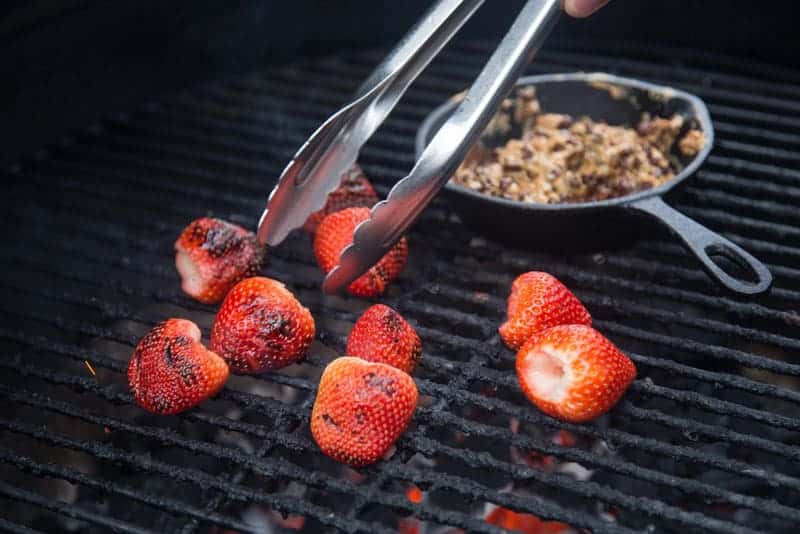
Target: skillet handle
{"type": "Point", "coordinates": [703, 242]}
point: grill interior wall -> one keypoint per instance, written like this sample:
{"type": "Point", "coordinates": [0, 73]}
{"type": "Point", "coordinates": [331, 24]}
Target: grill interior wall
{"type": "Point", "coordinates": [706, 438]}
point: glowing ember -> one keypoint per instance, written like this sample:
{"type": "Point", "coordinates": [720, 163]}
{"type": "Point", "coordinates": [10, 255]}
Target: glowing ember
{"type": "Point", "coordinates": [408, 525]}
{"type": "Point", "coordinates": [564, 438]}
{"type": "Point", "coordinates": [414, 494]}
{"type": "Point", "coordinates": [525, 523]}
{"type": "Point", "coordinates": [89, 366]}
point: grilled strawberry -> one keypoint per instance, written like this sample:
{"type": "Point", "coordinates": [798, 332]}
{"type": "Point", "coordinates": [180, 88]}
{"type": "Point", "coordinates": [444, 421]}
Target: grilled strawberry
{"type": "Point", "coordinates": [355, 191]}
{"type": "Point", "coordinates": [382, 335]}
{"type": "Point", "coordinates": [573, 373]}
{"type": "Point", "coordinates": [170, 371]}
{"type": "Point", "coordinates": [361, 409]}
{"type": "Point", "coordinates": [336, 232]}
{"type": "Point", "coordinates": [261, 326]}
{"type": "Point", "coordinates": [539, 301]}
{"type": "Point", "coordinates": [212, 255]}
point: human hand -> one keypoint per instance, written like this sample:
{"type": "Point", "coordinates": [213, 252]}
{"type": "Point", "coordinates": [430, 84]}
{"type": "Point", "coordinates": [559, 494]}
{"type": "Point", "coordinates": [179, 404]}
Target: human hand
{"type": "Point", "coordinates": [583, 8]}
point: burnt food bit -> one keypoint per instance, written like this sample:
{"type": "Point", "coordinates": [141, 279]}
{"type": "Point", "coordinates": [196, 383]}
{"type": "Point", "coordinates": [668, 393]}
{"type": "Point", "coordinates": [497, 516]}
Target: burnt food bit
{"type": "Point", "coordinates": [562, 159]}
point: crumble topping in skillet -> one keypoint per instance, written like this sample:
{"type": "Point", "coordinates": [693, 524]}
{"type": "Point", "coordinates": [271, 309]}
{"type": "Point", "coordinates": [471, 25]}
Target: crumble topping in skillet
{"type": "Point", "coordinates": [559, 158]}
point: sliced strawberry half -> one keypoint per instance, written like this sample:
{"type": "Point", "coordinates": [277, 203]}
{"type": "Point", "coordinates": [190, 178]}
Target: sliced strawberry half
{"type": "Point", "coordinates": [212, 255]}
{"type": "Point", "coordinates": [572, 372]}
{"type": "Point", "coordinates": [171, 371]}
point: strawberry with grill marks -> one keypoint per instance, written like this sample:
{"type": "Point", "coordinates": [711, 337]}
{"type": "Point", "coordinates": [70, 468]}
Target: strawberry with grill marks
{"type": "Point", "coordinates": [171, 371]}
{"type": "Point", "coordinates": [383, 335]}
{"type": "Point", "coordinates": [212, 255]}
{"type": "Point", "coordinates": [361, 409]}
{"type": "Point", "coordinates": [336, 232]}
{"type": "Point", "coordinates": [355, 191]}
{"type": "Point", "coordinates": [261, 326]}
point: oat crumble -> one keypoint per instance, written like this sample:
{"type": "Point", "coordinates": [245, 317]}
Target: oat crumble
{"type": "Point", "coordinates": [562, 159]}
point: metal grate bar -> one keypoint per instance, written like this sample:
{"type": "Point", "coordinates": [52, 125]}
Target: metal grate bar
{"type": "Point", "coordinates": [455, 56]}
{"type": "Point", "coordinates": [423, 445]}
{"type": "Point", "coordinates": [514, 470]}
{"type": "Point", "coordinates": [75, 477]}
{"type": "Point", "coordinates": [190, 135]}
{"type": "Point", "coordinates": [579, 456]}
{"type": "Point", "coordinates": [688, 73]}
{"type": "Point", "coordinates": [474, 372]}
{"type": "Point", "coordinates": [300, 505]}
{"type": "Point", "coordinates": [185, 301]}
{"type": "Point", "coordinates": [718, 406]}
{"type": "Point", "coordinates": [460, 68]}
{"type": "Point", "coordinates": [695, 274]}
{"type": "Point", "coordinates": [135, 179]}
{"type": "Point", "coordinates": [779, 230]}
{"type": "Point", "coordinates": [95, 331]}
{"type": "Point", "coordinates": [276, 171]}
{"type": "Point", "coordinates": [792, 293]}
{"type": "Point", "coordinates": [144, 463]}
{"type": "Point", "coordinates": [69, 510]}
{"type": "Point", "coordinates": [8, 526]}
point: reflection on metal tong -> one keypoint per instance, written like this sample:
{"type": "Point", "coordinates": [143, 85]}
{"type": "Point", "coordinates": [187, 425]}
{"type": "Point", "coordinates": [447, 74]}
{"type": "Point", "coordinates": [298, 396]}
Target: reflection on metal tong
{"type": "Point", "coordinates": [317, 167]}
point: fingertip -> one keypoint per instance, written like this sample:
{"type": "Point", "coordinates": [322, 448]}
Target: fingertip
{"type": "Point", "coordinates": [583, 8]}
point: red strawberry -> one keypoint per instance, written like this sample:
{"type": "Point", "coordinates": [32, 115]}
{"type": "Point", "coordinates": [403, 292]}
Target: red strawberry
{"type": "Point", "coordinates": [170, 371]}
{"type": "Point", "coordinates": [361, 409]}
{"type": "Point", "coordinates": [261, 326]}
{"type": "Point", "coordinates": [539, 301]}
{"type": "Point", "coordinates": [382, 335]}
{"type": "Point", "coordinates": [211, 255]}
{"type": "Point", "coordinates": [573, 373]}
{"type": "Point", "coordinates": [336, 232]}
{"type": "Point", "coordinates": [354, 191]}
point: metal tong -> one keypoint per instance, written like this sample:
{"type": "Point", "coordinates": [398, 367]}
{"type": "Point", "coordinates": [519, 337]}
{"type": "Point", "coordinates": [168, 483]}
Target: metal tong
{"type": "Point", "coordinates": [316, 169]}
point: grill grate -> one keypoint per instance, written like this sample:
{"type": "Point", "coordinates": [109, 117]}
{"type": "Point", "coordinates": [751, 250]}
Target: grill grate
{"type": "Point", "coordinates": [706, 439]}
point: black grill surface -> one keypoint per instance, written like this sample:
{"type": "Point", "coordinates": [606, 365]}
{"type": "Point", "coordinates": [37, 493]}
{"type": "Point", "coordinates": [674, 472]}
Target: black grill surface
{"type": "Point", "coordinates": [706, 439]}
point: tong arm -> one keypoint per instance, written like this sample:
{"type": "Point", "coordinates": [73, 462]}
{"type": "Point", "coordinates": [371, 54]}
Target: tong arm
{"type": "Point", "coordinates": [316, 169]}
{"type": "Point", "coordinates": [391, 218]}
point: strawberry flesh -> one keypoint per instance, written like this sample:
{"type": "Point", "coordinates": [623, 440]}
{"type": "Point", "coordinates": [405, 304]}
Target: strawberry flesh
{"type": "Point", "coordinates": [212, 255]}
{"type": "Point", "coordinates": [573, 373]}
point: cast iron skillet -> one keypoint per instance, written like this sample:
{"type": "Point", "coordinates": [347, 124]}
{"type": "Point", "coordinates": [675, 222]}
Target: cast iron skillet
{"type": "Point", "coordinates": [615, 100]}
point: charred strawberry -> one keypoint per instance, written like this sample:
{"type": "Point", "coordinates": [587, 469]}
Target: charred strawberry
{"type": "Point", "coordinates": [336, 232]}
{"type": "Point", "coordinates": [573, 373]}
{"type": "Point", "coordinates": [261, 326]}
{"type": "Point", "coordinates": [382, 335]}
{"type": "Point", "coordinates": [170, 371]}
{"type": "Point", "coordinates": [539, 301]}
{"type": "Point", "coordinates": [361, 409]}
{"type": "Point", "coordinates": [355, 191]}
{"type": "Point", "coordinates": [212, 255]}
